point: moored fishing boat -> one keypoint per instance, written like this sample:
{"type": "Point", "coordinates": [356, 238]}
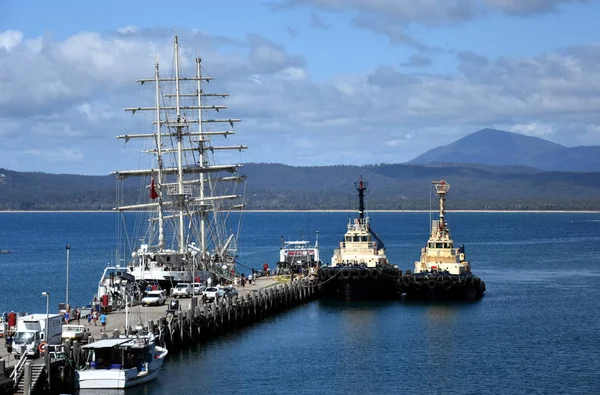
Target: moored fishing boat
{"type": "Point", "coordinates": [359, 268]}
{"type": "Point", "coordinates": [442, 273]}
{"type": "Point", "coordinates": [187, 236]}
{"type": "Point", "coordinates": [120, 363]}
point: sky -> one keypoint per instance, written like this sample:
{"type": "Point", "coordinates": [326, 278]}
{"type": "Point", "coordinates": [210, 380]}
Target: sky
{"type": "Point", "coordinates": [315, 82]}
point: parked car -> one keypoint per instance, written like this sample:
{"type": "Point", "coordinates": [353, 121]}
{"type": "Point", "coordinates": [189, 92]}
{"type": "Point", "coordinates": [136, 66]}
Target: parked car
{"type": "Point", "coordinates": [228, 292]}
{"type": "Point", "coordinates": [154, 298]}
{"type": "Point", "coordinates": [73, 332]}
{"type": "Point", "coordinates": [182, 290]}
{"type": "Point", "coordinates": [210, 294]}
{"type": "Point", "coordinates": [198, 289]}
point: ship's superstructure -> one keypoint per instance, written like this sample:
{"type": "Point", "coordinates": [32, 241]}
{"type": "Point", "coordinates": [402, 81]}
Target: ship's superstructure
{"type": "Point", "coordinates": [361, 245]}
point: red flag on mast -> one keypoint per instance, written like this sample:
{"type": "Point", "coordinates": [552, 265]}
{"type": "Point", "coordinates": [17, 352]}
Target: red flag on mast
{"type": "Point", "coordinates": [153, 194]}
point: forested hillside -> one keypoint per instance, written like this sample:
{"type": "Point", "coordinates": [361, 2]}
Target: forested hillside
{"type": "Point", "coordinates": [276, 186]}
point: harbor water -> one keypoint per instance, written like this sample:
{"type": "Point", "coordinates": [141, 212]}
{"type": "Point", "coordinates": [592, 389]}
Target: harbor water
{"type": "Point", "coordinates": [534, 332]}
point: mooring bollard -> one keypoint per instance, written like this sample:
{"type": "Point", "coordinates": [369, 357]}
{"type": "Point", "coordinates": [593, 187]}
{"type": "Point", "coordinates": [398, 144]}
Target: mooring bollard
{"type": "Point", "coordinates": [27, 379]}
{"type": "Point", "coordinates": [76, 350]}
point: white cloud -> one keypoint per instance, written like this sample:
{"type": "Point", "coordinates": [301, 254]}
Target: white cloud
{"type": "Point", "coordinates": [10, 39]}
{"type": "Point", "coordinates": [66, 98]}
{"type": "Point", "coordinates": [535, 129]}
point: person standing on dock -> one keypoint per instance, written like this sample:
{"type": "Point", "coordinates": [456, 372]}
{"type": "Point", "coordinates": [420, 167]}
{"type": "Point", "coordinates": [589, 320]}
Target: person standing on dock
{"type": "Point", "coordinates": [95, 317]}
{"type": "Point", "coordinates": [78, 315]}
{"type": "Point", "coordinates": [103, 322]}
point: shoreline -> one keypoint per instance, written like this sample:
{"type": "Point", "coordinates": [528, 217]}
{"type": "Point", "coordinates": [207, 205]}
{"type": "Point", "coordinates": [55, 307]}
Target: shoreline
{"type": "Point", "coordinates": [331, 211]}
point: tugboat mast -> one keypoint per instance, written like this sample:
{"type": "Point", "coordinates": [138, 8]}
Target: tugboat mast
{"type": "Point", "coordinates": [441, 189]}
{"type": "Point", "coordinates": [361, 187]}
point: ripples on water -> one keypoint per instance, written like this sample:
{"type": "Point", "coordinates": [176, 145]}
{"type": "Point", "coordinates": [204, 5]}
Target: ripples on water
{"type": "Point", "coordinates": [535, 332]}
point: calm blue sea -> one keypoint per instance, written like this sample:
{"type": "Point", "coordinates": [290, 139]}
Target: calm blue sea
{"type": "Point", "coordinates": [535, 332]}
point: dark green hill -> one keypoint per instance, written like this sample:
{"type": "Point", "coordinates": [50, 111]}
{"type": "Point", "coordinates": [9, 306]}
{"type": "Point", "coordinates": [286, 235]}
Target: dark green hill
{"type": "Point", "coordinates": [276, 186]}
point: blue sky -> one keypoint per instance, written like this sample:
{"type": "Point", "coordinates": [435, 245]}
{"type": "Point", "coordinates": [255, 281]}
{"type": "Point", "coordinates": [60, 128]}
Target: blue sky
{"type": "Point", "coordinates": [311, 79]}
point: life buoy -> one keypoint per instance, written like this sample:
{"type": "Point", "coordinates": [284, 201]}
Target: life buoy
{"type": "Point", "coordinates": [431, 284]}
{"type": "Point", "coordinates": [364, 274]}
{"type": "Point", "coordinates": [346, 274]}
{"type": "Point", "coordinates": [42, 347]}
{"type": "Point", "coordinates": [375, 274]}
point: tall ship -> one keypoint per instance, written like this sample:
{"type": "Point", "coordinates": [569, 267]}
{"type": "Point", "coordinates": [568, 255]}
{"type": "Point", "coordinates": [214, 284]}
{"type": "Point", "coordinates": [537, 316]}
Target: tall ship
{"type": "Point", "coordinates": [359, 268]}
{"type": "Point", "coordinates": [184, 228]}
{"type": "Point", "coordinates": [296, 256]}
{"type": "Point", "coordinates": [443, 272]}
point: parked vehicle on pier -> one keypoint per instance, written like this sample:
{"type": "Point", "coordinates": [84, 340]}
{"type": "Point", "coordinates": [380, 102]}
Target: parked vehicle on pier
{"type": "Point", "coordinates": [198, 289]}
{"type": "Point", "coordinates": [228, 292]}
{"type": "Point", "coordinates": [31, 329]}
{"type": "Point", "coordinates": [73, 332]}
{"type": "Point", "coordinates": [210, 294]}
{"type": "Point", "coordinates": [182, 290]}
{"type": "Point", "coordinates": [154, 298]}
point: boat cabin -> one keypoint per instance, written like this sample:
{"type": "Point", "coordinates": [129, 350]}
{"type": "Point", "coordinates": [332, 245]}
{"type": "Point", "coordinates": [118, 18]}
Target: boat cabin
{"type": "Point", "coordinates": [120, 354]}
{"type": "Point", "coordinates": [358, 247]}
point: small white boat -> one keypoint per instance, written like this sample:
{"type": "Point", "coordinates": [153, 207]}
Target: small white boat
{"type": "Point", "coordinates": [120, 363]}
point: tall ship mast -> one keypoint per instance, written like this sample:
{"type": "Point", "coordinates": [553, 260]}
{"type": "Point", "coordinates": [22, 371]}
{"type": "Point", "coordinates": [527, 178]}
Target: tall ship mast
{"type": "Point", "coordinates": [188, 235]}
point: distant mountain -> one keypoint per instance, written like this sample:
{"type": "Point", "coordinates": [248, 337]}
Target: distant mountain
{"type": "Point", "coordinates": [500, 148]}
{"type": "Point", "coordinates": [274, 186]}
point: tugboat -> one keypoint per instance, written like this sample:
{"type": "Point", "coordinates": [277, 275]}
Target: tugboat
{"type": "Point", "coordinates": [359, 268]}
{"type": "Point", "coordinates": [297, 256]}
{"type": "Point", "coordinates": [442, 273]}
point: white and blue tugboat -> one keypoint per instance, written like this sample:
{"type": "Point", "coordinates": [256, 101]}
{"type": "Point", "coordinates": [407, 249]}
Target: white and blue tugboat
{"type": "Point", "coordinates": [359, 267]}
{"type": "Point", "coordinates": [442, 273]}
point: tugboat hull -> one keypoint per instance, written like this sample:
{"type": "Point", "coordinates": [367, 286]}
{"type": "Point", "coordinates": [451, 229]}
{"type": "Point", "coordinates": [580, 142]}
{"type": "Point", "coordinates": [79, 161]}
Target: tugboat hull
{"type": "Point", "coordinates": [359, 283]}
{"type": "Point", "coordinates": [441, 287]}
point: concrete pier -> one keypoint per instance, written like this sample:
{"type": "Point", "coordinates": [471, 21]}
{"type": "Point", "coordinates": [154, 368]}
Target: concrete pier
{"type": "Point", "coordinates": [192, 321]}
